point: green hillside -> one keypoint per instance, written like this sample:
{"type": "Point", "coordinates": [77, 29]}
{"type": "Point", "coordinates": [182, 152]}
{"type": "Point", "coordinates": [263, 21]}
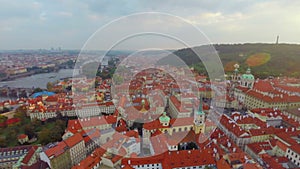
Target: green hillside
{"type": "Point", "coordinates": [264, 59]}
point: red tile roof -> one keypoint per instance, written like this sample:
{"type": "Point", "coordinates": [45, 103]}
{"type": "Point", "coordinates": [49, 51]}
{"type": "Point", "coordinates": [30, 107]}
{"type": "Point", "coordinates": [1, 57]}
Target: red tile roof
{"type": "Point", "coordinates": [175, 159]}
{"type": "Point", "coordinates": [187, 158]}
{"type": "Point", "coordinates": [178, 104]}
{"type": "Point", "coordinates": [78, 124]}
{"type": "Point", "coordinates": [271, 162]}
{"type": "Point", "coordinates": [53, 98]}
{"type": "Point", "coordinates": [263, 85]}
{"type": "Point", "coordinates": [29, 155]}
{"type": "Point", "coordinates": [88, 163]}
{"type": "Point", "coordinates": [12, 121]}
{"type": "Point", "coordinates": [279, 98]}
{"type": "Point", "coordinates": [259, 147]}
{"type": "Point", "coordinates": [73, 140]}
{"type": "Point", "coordinates": [22, 136]}
{"type": "Point", "coordinates": [222, 164]}
{"type": "Point", "coordinates": [251, 166]}
{"type": "Point", "coordinates": [57, 149]}
{"type": "Point", "coordinates": [232, 126]}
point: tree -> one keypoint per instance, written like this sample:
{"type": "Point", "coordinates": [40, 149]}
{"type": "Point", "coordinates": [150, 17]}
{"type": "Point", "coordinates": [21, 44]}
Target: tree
{"type": "Point", "coordinates": [36, 90]}
{"type": "Point", "coordinates": [59, 115]}
{"type": "Point", "coordinates": [45, 136]}
{"type": "Point", "coordinates": [5, 109]}
{"type": "Point", "coordinates": [36, 123]}
{"type": "Point", "coordinates": [58, 130]}
{"type": "Point", "coordinates": [20, 113]}
{"type": "Point", "coordinates": [56, 133]}
{"type": "Point", "coordinates": [12, 136]}
{"type": "Point", "coordinates": [29, 130]}
{"type": "Point", "coordinates": [2, 118]}
{"type": "Point", "coordinates": [49, 86]}
{"type": "Point", "coordinates": [3, 142]}
{"type": "Point", "coordinates": [3, 121]}
{"type": "Point", "coordinates": [60, 123]}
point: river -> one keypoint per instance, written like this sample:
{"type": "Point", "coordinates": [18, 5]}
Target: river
{"type": "Point", "coordinates": [39, 80]}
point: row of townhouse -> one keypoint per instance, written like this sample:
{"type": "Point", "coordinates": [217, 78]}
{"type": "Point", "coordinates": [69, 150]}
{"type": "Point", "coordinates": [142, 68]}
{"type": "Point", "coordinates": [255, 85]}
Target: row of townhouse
{"type": "Point", "coordinates": [87, 110]}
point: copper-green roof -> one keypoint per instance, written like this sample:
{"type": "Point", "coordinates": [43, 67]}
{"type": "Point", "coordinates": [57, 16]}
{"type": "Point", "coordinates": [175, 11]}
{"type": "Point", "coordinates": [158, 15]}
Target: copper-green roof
{"type": "Point", "coordinates": [200, 109]}
{"type": "Point", "coordinates": [164, 118]}
{"type": "Point", "coordinates": [247, 76]}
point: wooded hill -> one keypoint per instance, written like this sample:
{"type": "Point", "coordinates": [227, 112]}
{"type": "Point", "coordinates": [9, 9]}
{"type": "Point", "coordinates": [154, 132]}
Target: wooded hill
{"type": "Point", "coordinates": [263, 59]}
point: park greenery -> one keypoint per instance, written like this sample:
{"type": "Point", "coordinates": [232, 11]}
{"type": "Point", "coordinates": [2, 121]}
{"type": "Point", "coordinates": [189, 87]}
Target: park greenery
{"type": "Point", "coordinates": [47, 131]}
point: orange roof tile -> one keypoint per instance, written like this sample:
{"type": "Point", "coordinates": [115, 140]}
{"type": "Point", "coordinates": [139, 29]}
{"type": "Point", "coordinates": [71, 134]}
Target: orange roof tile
{"type": "Point", "coordinates": [73, 140]}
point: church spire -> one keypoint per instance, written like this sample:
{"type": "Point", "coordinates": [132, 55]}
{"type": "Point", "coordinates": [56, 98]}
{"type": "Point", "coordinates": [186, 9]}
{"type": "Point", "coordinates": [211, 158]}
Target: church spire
{"type": "Point", "coordinates": [200, 107]}
{"type": "Point", "coordinates": [199, 118]}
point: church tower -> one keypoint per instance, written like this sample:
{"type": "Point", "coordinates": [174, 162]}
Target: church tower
{"type": "Point", "coordinates": [199, 119]}
{"type": "Point", "coordinates": [247, 79]}
{"type": "Point", "coordinates": [235, 76]}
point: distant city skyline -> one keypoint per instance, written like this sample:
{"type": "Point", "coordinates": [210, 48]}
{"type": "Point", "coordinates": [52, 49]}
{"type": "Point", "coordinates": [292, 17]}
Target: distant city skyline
{"type": "Point", "coordinates": [69, 24]}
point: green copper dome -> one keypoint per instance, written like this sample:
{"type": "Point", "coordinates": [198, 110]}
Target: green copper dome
{"type": "Point", "coordinates": [247, 76]}
{"type": "Point", "coordinates": [143, 102]}
{"type": "Point", "coordinates": [164, 118]}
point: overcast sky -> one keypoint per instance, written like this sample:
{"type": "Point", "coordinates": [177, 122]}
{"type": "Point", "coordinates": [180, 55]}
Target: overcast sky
{"type": "Point", "coordinates": [69, 23]}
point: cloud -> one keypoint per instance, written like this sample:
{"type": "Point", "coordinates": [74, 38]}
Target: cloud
{"type": "Point", "coordinates": [65, 14]}
{"type": "Point", "coordinates": [215, 17]}
{"type": "Point", "coordinates": [43, 16]}
{"type": "Point", "coordinates": [222, 21]}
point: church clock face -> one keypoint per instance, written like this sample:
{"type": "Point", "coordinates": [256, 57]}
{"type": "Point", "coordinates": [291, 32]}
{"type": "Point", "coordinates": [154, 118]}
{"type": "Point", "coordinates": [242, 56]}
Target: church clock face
{"type": "Point", "coordinates": [198, 120]}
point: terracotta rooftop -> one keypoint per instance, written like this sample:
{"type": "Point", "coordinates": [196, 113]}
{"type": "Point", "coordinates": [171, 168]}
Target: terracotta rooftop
{"type": "Point", "coordinates": [73, 140]}
{"type": "Point", "coordinates": [57, 150]}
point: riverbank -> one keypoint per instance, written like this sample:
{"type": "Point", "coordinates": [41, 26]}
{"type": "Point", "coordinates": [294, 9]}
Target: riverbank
{"type": "Point", "coordinates": [13, 77]}
{"type": "Point", "coordinates": [39, 80]}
